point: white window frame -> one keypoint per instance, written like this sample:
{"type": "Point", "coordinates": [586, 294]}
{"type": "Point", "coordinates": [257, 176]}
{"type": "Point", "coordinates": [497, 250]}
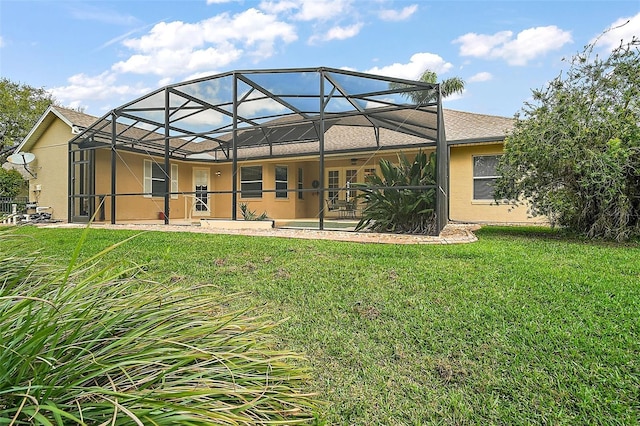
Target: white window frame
{"type": "Point", "coordinates": [148, 179]}
{"type": "Point", "coordinates": [257, 193]}
{"type": "Point", "coordinates": [198, 209]}
{"type": "Point", "coordinates": [174, 181]}
{"type": "Point", "coordinates": [483, 178]}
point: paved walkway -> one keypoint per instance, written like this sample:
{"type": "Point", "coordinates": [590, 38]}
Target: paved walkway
{"type": "Point", "coordinates": [451, 234]}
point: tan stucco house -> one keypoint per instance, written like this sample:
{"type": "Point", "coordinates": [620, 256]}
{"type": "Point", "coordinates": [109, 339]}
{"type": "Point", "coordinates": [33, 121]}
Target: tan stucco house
{"type": "Point", "coordinates": [199, 149]}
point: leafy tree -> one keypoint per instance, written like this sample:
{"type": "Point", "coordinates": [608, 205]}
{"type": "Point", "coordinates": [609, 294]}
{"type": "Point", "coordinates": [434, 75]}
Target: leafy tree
{"type": "Point", "coordinates": [20, 107]}
{"type": "Point", "coordinates": [574, 154]}
{"type": "Point", "coordinates": [448, 87]}
{"type": "Point", "coordinates": [11, 183]}
{"type": "Point", "coordinates": [393, 200]}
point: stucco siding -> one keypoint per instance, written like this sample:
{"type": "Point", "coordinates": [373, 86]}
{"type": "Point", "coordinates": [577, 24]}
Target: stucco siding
{"type": "Point", "coordinates": [50, 188]}
{"type": "Point", "coordinates": [462, 206]}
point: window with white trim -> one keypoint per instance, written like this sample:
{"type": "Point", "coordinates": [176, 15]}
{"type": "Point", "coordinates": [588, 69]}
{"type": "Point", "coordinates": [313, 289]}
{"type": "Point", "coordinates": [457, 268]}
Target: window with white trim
{"type": "Point", "coordinates": [282, 181]}
{"type": "Point", "coordinates": [484, 176]}
{"type": "Point", "coordinates": [153, 180]}
{"type": "Point", "coordinates": [251, 182]}
{"type": "Point", "coordinates": [174, 181]}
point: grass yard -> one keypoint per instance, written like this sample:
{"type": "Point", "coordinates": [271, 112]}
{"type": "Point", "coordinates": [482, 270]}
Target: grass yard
{"type": "Point", "coordinates": [522, 327]}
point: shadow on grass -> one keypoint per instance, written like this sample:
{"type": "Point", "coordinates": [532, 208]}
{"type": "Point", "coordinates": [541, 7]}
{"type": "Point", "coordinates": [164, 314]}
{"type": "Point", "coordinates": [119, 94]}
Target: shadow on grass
{"type": "Point", "coordinates": [544, 233]}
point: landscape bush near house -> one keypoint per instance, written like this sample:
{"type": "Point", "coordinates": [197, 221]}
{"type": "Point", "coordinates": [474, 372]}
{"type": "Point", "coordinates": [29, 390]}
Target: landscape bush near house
{"type": "Point", "coordinates": [393, 201]}
{"type": "Point", "coordinates": [574, 154]}
{"type": "Point", "coordinates": [251, 214]}
{"type": "Point", "coordinates": [97, 345]}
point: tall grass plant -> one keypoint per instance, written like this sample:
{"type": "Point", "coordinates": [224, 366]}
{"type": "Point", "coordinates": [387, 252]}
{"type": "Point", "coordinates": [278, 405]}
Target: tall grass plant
{"type": "Point", "coordinates": [97, 344]}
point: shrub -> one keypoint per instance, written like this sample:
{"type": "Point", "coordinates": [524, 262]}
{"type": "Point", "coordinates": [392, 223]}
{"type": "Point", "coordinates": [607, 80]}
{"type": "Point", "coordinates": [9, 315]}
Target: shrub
{"type": "Point", "coordinates": [251, 214]}
{"type": "Point", "coordinates": [96, 345]}
{"type": "Point", "coordinates": [574, 154]}
{"type": "Point", "coordinates": [402, 198]}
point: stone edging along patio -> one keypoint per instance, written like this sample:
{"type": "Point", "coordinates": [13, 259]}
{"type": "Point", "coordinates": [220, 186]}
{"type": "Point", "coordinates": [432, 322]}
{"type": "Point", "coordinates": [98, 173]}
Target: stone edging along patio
{"type": "Point", "coordinates": [451, 234]}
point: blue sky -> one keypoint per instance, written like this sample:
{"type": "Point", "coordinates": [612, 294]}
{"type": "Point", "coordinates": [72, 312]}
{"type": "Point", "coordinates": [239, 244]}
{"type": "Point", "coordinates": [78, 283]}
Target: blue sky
{"type": "Point", "coordinates": [101, 54]}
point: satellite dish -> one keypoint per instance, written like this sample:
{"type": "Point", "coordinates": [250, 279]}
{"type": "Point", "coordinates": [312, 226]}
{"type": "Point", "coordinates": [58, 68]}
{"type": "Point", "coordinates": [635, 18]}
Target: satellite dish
{"type": "Point", "coordinates": [21, 158]}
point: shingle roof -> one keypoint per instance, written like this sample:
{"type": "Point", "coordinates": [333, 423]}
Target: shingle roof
{"type": "Point", "coordinates": [76, 118]}
{"type": "Point", "coordinates": [469, 127]}
{"type": "Point", "coordinates": [460, 127]}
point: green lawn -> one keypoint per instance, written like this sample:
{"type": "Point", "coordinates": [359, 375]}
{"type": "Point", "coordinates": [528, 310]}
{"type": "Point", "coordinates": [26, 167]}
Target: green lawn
{"type": "Point", "coordinates": [522, 327]}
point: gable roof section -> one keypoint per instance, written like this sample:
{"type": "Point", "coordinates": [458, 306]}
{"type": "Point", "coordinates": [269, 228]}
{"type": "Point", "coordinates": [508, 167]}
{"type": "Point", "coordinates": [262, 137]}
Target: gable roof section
{"type": "Point", "coordinates": [77, 121]}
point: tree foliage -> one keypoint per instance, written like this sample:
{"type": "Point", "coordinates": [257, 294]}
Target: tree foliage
{"type": "Point", "coordinates": [20, 108]}
{"type": "Point", "coordinates": [448, 87]}
{"type": "Point", "coordinates": [394, 201]}
{"type": "Point", "coordinates": [11, 183]}
{"type": "Point", "coordinates": [574, 154]}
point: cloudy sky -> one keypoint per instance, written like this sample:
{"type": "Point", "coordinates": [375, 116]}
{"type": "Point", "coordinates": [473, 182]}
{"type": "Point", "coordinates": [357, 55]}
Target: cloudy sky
{"type": "Point", "coordinates": [99, 54]}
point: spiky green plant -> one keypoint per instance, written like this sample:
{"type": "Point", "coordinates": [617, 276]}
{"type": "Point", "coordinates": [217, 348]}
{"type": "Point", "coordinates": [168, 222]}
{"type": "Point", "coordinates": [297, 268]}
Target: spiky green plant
{"type": "Point", "coordinates": [251, 214]}
{"type": "Point", "coordinates": [402, 198]}
{"type": "Point", "coordinates": [94, 345]}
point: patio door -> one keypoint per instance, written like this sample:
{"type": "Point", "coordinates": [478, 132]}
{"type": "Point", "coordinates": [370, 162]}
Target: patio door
{"type": "Point", "coordinates": [201, 201]}
{"type": "Point", "coordinates": [339, 182]}
{"type": "Point", "coordinates": [83, 203]}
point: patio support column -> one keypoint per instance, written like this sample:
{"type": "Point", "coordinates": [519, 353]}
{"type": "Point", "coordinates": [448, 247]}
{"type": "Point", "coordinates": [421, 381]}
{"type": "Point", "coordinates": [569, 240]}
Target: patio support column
{"type": "Point", "coordinates": [442, 174]}
{"type": "Point", "coordinates": [234, 141]}
{"type": "Point", "coordinates": [70, 189]}
{"type": "Point", "coordinates": [321, 146]}
{"type": "Point", "coordinates": [166, 167]}
{"type": "Point", "coordinates": [113, 167]}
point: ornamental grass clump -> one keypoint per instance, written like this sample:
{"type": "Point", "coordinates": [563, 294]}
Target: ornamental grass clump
{"type": "Point", "coordinates": [94, 344]}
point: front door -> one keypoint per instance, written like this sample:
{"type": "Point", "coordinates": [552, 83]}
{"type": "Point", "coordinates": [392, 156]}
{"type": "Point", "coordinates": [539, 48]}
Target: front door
{"type": "Point", "coordinates": [201, 202]}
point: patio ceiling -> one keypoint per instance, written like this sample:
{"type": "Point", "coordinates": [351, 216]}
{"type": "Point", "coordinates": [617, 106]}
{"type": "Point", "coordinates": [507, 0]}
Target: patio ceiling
{"type": "Point", "coordinates": [263, 109]}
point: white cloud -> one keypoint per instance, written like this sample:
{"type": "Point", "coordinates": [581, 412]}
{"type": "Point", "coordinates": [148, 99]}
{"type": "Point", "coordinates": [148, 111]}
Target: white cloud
{"type": "Point", "coordinates": [83, 88]}
{"type": "Point", "coordinates": [277, 7]}
{"type": "Point", "coordinates": [173, 48]}
{"type": "Point", "coordinates": [86, 12]}
{"type": "Point", "coordinates": [479, 45]}
{"type": "Point", "coordinates": [417, 64]}
{"type": "Point", "coordinates": [622, 29]}
{"type": "Point", "coordinates": [308, 10]}
{"type": "Point", "coordinates": [529, 44]}
{"type": "Point", "coordinates": [481, 76]}
{"type": "Point", "coordinates": [255, 103]}
{"type": "Point", "coordinates": [395, 15]}
{"type": "Point", "coordinates": [337, 33]}
{"type": "Point", "coordinates": [311, 10]}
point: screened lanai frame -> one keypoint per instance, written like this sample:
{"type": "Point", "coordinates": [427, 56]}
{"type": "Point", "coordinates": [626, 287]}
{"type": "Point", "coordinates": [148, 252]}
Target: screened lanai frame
{"type": "Point", "coordinates": [260, 114]}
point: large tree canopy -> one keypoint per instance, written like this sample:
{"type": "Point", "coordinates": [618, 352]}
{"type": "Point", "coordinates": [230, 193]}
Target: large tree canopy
{"type": "Point", "coordinates": [20, 107]}
{"type": "Point", "coordinates": [574, 154]}
{"type": "Point", "coordinates": [11, 183]}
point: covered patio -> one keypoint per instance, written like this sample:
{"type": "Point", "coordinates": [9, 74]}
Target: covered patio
{"type": "Point", "coordinates": [237, 118]}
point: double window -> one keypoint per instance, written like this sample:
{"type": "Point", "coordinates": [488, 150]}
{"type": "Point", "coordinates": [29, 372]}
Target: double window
{"type": "Point", "coordinates": [153, 179]}
{"type": "Point", "coordinates": [484, 176]}
{"type": "Point", "coordinates": [251, 182]}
